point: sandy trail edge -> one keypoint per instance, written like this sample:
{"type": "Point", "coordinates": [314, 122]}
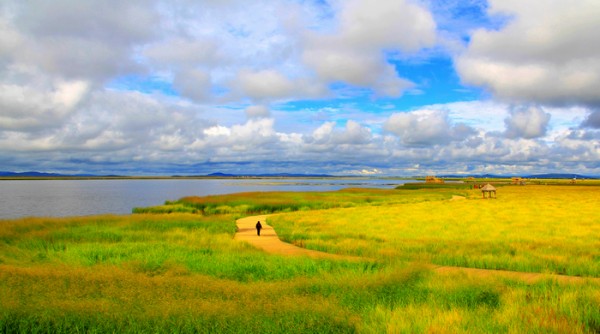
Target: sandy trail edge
{"type": "Point", "coordinates": [270, 243]}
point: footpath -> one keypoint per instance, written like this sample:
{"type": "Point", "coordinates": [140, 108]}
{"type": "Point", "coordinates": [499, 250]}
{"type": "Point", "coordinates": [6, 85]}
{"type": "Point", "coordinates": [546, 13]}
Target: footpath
{"type": "Point", "coordinates": [270, 243]}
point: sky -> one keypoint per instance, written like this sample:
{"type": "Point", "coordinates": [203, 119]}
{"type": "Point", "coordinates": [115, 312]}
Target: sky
{"type": "Point", "coordinates": [354, 87]}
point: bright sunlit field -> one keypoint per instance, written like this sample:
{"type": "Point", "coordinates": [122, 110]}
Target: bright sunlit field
{"type": "Point", "coordinates": [184, 272]}
{"type": "Point", "coordinates": [553, 229]}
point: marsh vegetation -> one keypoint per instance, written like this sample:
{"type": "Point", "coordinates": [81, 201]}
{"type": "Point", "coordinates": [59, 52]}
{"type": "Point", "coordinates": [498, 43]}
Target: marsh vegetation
{"type": "Point", "coordinates": [176, 268]}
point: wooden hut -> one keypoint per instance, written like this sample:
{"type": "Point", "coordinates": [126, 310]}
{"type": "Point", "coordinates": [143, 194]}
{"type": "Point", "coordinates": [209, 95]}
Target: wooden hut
{"type": "Point", "coordinates": [489, 189]}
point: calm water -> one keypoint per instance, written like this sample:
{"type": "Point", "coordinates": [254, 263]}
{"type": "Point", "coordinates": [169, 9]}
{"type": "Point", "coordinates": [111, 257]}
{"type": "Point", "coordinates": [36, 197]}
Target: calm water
{"type": "Point", "coordinates": [88, 197]}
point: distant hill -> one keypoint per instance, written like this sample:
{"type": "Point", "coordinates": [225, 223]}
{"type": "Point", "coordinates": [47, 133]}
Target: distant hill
{"type": "Point", "coordinates": [41, 174]}
{"type": "Point", "coordinates": [33, 174]}
{"type": "Point", "coordinates": [220, 175]}
{"type": "Point", "coordinates": [268, 175]}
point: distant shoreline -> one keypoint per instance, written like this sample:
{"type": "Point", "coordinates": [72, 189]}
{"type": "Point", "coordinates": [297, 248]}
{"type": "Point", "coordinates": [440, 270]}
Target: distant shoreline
{"type": "Point", "coordinates": [33, 176]}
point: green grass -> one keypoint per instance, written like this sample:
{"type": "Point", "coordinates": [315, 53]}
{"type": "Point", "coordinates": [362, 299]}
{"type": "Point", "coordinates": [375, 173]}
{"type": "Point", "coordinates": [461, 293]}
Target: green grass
{"type": "Point", "coordinates": [273, 202]}
{"type": "Point", "coordinates": [184, 273]}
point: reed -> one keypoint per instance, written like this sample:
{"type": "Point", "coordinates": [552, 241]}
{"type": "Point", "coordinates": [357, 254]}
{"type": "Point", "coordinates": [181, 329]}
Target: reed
{"type": "Point", "coordinates": [184, 273]}
{"type": "Point", "coordinates": [273, 202]}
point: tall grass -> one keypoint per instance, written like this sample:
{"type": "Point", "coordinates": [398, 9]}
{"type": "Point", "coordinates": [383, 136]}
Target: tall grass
{"type": "Point", "coordinates": [535, 228]}
{"type": "Point", "coordinates": [272, 202]}
{"type": "Point", "coordinates": [112, 299]}
{"type": "Point", "coordinates": [184, 273]}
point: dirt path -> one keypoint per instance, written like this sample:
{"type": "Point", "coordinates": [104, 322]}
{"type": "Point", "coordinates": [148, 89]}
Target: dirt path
{"type": "Point", "coordinates": [457, 198]}
{"type": "Point", "coordinates": [529, 278]}
{"type": "Point", "coordinates": [270, 243]}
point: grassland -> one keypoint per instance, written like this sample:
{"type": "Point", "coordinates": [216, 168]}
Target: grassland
{"type": "Point", "coordinates": [182, 272]}
{"type": "Point", "coordinates": [532, 229]}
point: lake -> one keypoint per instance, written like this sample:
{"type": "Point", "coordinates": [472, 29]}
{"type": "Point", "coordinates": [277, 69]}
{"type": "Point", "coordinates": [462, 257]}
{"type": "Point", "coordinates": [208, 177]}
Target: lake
{"type": "Point", "coordinates": [59, 198]}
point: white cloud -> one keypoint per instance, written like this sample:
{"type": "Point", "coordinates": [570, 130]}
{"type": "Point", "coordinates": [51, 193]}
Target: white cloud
{"type": "Point", "coordinates": [354, 53]}
{"type": "Point", "coordinates": [44, 105]}
{"type": "Point", "coordinates": [87, 40]}
{"type": "Point", "coordinates": [235, 82]}
{"type": "Point", "coordinates": [328, 136]}
{"type": "Point", "coordinates": [547, 53]}
{"type": "Point", "coordinates": [386, 25]}
{"type": "Point", "coordinates": [265, 84]}
{"type": "Point", "coordinates": [356, 67]}
{"type": "Point", "coordinates": [179, 52]}
{"type": "Point", "coordinates": [528, 122]}
{"type": "Point", "coordinates": [426, 127]}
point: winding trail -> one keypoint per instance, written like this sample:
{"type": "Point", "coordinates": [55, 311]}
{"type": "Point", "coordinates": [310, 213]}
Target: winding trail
{"type": "Point", "coordinates": [270, 243]}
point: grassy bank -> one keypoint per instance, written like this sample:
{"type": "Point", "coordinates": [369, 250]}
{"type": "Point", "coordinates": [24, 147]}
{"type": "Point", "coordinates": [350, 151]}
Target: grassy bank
{"type": "Point", "coordinates": [184, 273]}
{"type": "Point", "coordinates": [273, 202]}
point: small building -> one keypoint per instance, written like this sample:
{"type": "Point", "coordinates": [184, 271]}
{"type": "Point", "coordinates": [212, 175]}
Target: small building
{"type": "Point", "coordinates": [433, 179]}
{"type": "Point", "coordinates": [489, 190]}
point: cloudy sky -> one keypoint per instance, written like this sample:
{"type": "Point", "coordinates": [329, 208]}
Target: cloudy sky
{"type": "Point", "coordinates": [374, 87]}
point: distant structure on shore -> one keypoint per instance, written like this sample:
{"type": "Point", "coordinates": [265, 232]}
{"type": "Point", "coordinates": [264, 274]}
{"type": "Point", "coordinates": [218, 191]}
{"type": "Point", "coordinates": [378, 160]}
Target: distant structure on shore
{"type": "Point", "coordinates": [518, 180]}
{"type": "Point", "coordinates": [433, 179]}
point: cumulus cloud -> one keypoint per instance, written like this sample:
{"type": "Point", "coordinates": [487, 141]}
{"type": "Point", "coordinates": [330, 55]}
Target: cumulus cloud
{"type": "Point", "coordinates": [81, 40]}
{"type": "Point", "coordinates": [44, 105]}
{"type": "Point", "coordinates": [355, 67]}
{"type": "Point", "coordinates": [353, 54]}
{"type": "Point", "coordinates": [387, 24]}
{"type": "Point", "coordinates": [328, 136]}
{"type": "Point", "coordinates": [527, 122]}
{"type": "Point", "coordinates": [426, 127]}
{"type": "Point", "coordinates": [263, 84]}
{"type": "Point", "coordinates": [546, 53]}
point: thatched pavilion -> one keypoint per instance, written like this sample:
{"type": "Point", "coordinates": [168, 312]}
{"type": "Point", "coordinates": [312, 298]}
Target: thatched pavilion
{"type": "Point", "coordinates": [489, 189]}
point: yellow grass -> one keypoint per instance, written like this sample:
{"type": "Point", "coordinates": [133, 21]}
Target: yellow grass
{"type": "Point", "coordinates": [552, 229]}
{"type": "Point", "coordinates": [185, 273]}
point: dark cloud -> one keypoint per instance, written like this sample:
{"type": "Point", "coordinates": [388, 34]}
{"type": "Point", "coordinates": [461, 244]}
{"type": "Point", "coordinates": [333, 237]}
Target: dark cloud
{"type": "Point", "coordinates": [592, 120]}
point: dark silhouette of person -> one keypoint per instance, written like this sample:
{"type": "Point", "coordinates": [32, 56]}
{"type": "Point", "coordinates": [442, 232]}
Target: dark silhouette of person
{"type": "Point", "coordinates": [258, 227]}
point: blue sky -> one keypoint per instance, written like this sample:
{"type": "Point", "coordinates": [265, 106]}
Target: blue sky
{"type": "Point", "coordinates": [357, 87]}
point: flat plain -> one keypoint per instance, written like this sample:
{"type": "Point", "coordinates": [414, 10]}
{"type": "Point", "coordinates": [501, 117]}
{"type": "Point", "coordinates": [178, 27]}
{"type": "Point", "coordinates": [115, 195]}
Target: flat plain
{"type": "Point", "coordinates": [178, 267]}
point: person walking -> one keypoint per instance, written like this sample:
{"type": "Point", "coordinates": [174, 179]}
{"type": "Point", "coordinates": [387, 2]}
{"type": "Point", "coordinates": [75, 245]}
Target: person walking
{"type": "Point", "coordinates": [258, 227]}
